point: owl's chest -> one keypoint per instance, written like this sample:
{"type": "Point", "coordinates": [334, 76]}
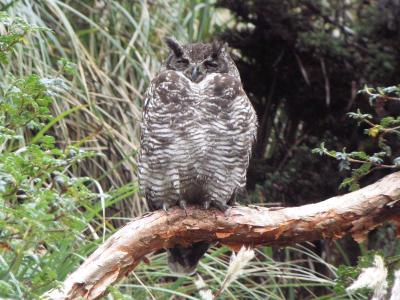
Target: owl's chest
{"type": "Point", "coordinates": [214, 95]}
{"type": "Point", "coordinates": [186, 109]}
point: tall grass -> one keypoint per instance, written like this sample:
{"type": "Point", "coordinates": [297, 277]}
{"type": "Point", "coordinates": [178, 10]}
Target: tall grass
{"type": "Point", "coordinates": [263, 278]}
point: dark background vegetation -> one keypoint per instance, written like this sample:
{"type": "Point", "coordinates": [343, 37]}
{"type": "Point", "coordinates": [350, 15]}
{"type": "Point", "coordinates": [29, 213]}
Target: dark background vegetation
{"type": "Point", "coordinates": [302, 64]}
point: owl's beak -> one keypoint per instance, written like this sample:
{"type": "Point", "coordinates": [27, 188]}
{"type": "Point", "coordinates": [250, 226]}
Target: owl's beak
{"type": "Point", "coordinates": [195, 74]}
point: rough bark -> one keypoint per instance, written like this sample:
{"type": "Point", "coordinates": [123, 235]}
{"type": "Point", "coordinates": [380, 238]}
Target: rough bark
{"type": "Point", "coordinates": [355, 213]}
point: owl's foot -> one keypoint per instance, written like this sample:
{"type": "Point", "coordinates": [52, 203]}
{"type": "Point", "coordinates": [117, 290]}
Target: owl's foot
{"type": "Point", "coordinates": [220, 205]}
{"type": "Point", "coordinates": [182, 204]}
{"type": "Point", "coordinates": [206, 204]}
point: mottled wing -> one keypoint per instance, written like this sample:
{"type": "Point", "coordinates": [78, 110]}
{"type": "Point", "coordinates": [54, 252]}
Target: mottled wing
{"type": "Point", "coordinates": [230, 123]}
{"type": "Point", "coordinates": [168, 135]}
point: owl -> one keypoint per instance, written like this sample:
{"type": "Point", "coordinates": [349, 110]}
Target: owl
{"type": "Point", "coordinates": [197, 132]}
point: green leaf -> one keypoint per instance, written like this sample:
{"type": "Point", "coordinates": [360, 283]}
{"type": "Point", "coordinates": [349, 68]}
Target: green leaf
{"type": "Point", "coordinates": [321, 150]}
{"type": "Point", "coordinates": [6, 289]}
{"type": "Point", "coordinates": [346, 183]}
{"type": "Point", "coordinates": [359, 154]}
{"type": "Point", "coordinates": [359, 116]}
{"type": "Point", "coordinates": [362, 170]}
{"type": "Point", "coordinates": [386, 122]}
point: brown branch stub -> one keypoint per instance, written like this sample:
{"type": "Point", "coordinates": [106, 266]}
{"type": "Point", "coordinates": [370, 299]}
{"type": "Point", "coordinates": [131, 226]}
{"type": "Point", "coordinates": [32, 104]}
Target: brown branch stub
{"type": "Point", "coordinates": [355, 213]}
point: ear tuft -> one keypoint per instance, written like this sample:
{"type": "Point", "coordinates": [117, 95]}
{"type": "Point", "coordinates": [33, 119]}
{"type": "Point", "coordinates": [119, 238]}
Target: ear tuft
{"type": "Point", "coordinates": [174, 46]}
{"type": "Point", "coordinates": [217, 47]}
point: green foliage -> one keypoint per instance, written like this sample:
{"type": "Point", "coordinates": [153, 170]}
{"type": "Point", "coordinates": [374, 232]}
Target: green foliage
{"type": "Point", "coordinates": [346, 275]}
{"type": "Point", "coordinates": [41, 216]}
{"type": "Point", "coordinates": [388, 125]}
{"type": "Point", "coordinates": [15, 31]}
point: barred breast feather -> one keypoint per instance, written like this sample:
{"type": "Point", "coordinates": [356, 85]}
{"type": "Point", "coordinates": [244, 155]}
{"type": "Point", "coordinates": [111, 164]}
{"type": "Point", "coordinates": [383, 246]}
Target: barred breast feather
{"type": "Point", "coordinates": [196, 139]}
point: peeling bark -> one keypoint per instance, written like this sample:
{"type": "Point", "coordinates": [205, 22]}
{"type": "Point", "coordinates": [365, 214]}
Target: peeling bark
{"type": "Point", "coordinates": [355, 213]}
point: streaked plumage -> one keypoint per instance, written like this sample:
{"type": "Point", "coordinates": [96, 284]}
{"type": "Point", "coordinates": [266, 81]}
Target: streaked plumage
{"type": "Point", "coordinates": [198, 129]}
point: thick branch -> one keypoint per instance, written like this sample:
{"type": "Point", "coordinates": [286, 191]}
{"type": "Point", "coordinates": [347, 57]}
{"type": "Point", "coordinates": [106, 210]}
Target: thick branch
{"type": "Point", "coordinates": [354, 213]}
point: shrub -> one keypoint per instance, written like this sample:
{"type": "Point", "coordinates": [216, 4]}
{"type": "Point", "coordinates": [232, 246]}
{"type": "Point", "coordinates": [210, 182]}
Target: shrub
{"type": "Point", "coordinates": [45, 212]}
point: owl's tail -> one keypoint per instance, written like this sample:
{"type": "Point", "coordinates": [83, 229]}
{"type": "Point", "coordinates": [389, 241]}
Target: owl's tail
{"type": "Point", "coordinates": [184, 260]}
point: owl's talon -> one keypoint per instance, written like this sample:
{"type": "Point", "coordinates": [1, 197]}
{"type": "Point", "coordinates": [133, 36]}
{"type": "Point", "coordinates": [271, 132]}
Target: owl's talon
{"type": "Point", "coordinates": [165, 207]}
{"type": "Point", "coordinates": [182, 204]}
{"type": "Point", "coordinates": [221, 206]}
{"type": "Point", "coordinates": [206, 204]}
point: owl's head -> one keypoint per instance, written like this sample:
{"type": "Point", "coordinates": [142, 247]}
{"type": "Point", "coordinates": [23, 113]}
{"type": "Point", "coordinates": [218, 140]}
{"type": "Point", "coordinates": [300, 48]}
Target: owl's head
{"type": "Point", "coordinates": [198, 60]}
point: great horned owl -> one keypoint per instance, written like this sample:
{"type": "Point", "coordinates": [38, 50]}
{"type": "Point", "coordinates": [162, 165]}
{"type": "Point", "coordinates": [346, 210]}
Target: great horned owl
{"type": "Point", "coordinates": [197, 131]}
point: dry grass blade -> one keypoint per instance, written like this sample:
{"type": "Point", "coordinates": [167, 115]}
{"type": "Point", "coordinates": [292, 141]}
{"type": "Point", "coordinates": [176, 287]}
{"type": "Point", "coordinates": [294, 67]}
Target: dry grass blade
{"type": "Point", "coordinates": [236, 268]}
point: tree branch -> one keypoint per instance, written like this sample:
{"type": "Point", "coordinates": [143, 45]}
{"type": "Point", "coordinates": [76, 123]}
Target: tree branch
{"type": "Point", "coordinates": [355, 213]}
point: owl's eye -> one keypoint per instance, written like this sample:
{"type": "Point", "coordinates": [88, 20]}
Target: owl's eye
{"type": "Point", "coordinates": [211, 64]}
{"type": "Point", "coordinates": [181, 63]}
